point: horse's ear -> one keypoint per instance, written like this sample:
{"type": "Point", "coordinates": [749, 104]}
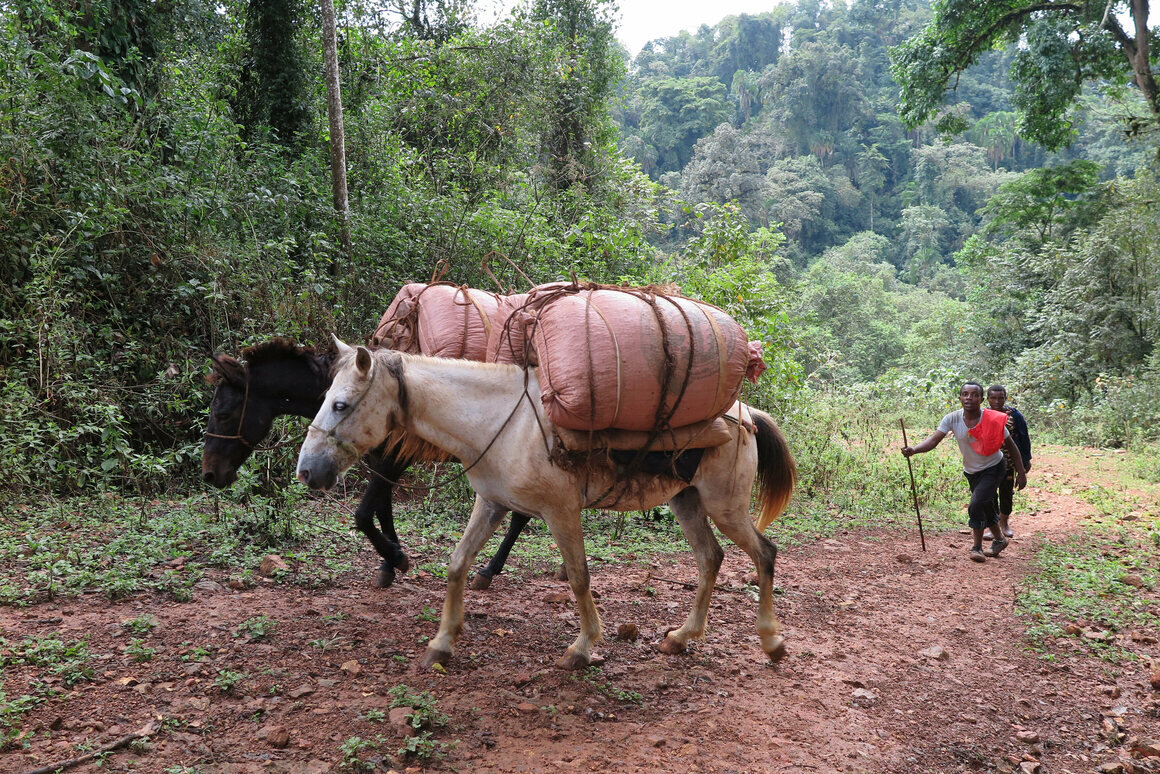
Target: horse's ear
{"type": "Point", "coordinates": [228, 368]}
{"type": "Point", "coordinates": [362, 360]}
{"type": "Point", "coordinates": [340, 345]}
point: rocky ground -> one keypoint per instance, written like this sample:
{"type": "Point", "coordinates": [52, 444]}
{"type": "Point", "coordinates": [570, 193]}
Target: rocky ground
{"type": "Point", "coordinates": [900, 661]}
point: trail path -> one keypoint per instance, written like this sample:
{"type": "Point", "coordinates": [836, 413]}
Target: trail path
{"type": "Point", "coordinates": [899, 661]}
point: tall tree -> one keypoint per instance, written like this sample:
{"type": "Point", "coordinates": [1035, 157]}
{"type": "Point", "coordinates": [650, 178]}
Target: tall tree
{"type": "Point", "coordinates": [588, 66]}
{"type": "Point", "coordinates": [272, 91]}
{"type": "Point", "coordinates": [1062, 44]}
{"type": "Point", "coordinates": [337, 132]}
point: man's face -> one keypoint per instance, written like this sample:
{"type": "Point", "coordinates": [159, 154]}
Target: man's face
{"type": "Point", "coordinates": [996, 399]}
{"type": "Point", "coordinates": [971, 397]}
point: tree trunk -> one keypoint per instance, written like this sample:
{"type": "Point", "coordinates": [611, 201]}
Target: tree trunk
{"type": "Point", "coordinates": [337, 133]}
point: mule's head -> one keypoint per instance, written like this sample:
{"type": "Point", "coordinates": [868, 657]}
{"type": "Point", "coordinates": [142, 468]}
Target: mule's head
{"type": "Point", "coordinates": [238, 420]}
{"type": "Point", "coordinates": [355, 417]}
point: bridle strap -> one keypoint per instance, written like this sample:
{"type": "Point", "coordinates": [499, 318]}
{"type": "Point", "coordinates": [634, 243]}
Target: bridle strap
{"type": "Point", "coordinates": [241, 420]}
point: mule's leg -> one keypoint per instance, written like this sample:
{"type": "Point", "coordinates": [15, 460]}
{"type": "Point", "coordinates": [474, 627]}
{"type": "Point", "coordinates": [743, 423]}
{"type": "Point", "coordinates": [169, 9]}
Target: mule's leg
{"type": "Point", "coordinates": [694, 523]}
{"type": "Point", "coordinates": [483, 577]}
{"type": "Point", "coordinates": [736, 525]}
{"type": "Point", "coordinates": [566, 530]}
{"type": "Point", "coordinates": [376, 502]}
{"type": "Point", "coordinates": [485, 517]}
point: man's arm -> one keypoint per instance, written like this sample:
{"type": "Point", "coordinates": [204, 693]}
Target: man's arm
{"type": "Point", "coordinates": [931, 441]}
{"type": "Point", "coordinates": [1013, 454]}
{"type": "Point", "coordinates": [1023, 439]}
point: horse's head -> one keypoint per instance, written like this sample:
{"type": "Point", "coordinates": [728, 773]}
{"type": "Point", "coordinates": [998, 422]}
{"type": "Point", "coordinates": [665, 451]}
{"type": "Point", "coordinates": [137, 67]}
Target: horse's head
{"type": "Point", "coordinates": [349, 425]}
{"type": "Point", "coordinates": [238, 421]}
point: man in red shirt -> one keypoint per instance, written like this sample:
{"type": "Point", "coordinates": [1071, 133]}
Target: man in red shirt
{"type": "Point", "coordinates": [982, 436]}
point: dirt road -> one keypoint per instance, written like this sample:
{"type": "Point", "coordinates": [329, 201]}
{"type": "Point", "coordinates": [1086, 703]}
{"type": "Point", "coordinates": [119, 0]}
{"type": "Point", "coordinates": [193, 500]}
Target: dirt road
{"type": "Point", "coordinates": [899, 661]}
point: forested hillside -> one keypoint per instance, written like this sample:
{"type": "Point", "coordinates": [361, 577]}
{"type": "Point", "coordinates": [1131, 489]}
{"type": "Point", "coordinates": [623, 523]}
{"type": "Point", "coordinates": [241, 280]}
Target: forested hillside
{"type": "Point", "coordinates": [166, 177]}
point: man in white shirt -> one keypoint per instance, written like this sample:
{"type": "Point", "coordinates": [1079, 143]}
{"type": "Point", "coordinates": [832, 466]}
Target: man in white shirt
{"type": "Point", "coordinates": [983, 463]}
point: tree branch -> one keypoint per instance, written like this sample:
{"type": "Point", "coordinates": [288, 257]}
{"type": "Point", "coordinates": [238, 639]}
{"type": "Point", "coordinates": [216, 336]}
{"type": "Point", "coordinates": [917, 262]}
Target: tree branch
{"type": "Point", "coordinates": [144, 731]}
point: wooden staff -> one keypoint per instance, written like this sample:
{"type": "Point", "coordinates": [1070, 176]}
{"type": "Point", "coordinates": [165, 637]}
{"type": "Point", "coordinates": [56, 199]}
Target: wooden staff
{"type": "Point", "coordinates": [913, 488]}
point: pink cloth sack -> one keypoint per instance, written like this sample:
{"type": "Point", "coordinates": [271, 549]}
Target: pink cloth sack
{"type": "Point", "coordinates": [507, 342]}
{"type": "Point", "coordinates": [633, 358]}
{"type": "Point", "coordinates": [438, 320]}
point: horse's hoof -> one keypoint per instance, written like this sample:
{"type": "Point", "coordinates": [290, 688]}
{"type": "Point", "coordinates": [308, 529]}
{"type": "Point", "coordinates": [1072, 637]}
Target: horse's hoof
{"type": "Point", "coordinates": [778, 651]}
{"type": "Point", "coordinates": [480, 582]}
{"type": "Point", "coordinates": [671, 646]}
{"type": "Point", "coordinates": [433, 657]}
{"type": "Point", "coordinates": [404, 565]}
{"type": "Point", "coordinates": [386, 576]}
{"type": "Point", "coordinates": [573, 662]}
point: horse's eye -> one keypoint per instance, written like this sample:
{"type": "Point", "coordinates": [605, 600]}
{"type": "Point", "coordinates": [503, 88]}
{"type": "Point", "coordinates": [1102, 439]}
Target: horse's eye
{"type": "Point", "coordinates": [339, 406]}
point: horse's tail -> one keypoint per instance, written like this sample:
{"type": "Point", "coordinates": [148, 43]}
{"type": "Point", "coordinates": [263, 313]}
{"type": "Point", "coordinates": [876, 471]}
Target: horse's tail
{"type": "Point", "coordinates": [776, 471]}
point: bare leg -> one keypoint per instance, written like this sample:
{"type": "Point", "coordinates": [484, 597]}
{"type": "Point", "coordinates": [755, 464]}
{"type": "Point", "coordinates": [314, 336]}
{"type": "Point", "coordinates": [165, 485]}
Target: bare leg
{"type": "Point", "coordinates": [566, 531]}
{"type": "Point", "coordinates": [485, 517]}
{"type": "Point", "coordinates": [691, 516]}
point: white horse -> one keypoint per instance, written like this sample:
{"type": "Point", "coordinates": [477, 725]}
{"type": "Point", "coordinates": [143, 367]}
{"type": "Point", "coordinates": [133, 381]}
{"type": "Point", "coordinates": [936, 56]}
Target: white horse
{"type": "Point", "coordinates": [489, 416]}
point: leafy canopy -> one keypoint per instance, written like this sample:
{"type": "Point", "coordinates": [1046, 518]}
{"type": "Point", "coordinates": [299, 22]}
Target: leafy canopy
{"type": "Point", "coordinates": [1061, 46]}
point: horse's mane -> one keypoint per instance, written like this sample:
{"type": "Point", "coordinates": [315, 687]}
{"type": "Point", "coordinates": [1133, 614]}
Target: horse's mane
{"type": "Point", "coordinates": [280, 349]}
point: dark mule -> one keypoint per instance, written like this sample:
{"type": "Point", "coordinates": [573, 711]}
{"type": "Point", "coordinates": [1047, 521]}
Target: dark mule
{"type": "Point", "coordinates": [279, 378]}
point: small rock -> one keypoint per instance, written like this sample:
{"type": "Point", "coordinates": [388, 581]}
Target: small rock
{"type": "Point", "coordinates": [526, 707]}
{"type": "Point", "coordinates": [1154, 680]}
{"type": "Point", "coordinates": [1133, 580]}
{"type": "Point", "coordinates": [272, 563]}
{"type": "Point", "coordinates": [352, 668]}
{"type": "Point", "coordinates": [400, 720]}
{"type": "Point", "coordinates": [277, 737]}
{"type": "Point", "coordinates": [1102, 636]}
{"type": "Point", "coordinates": [968, 718]}
{"type": "Point", "coordinates": [1030, 767]}
{"type": "Point", "coordinates": [1073, 629]}
{"type": "Point", "coordinates": [1027, 737]}
{"type": "Point", "coordinates": [936, 652]}
{"type": "Point", "coordinates": [1114, 767]}
{"type": "Point", "coordinates": [864, 698]}
{"type": "Point", "coordinates": [627, 632]}
{"type": "Point", "coordinates": [207, 585]}
{"type": "Point", "coordinates": [1142, 637]}
{"type": "Point", "coordinates": [303, 690]}
{"type": "Point", "coordinates": [559, 596]}
{"type": "Point", "coordinates": [903, 559]}
{"type": "Point", "coordinates": [237, 585]}
{"type": "Point", "coordinates": [1111, 691]}
{"type": "Point", "coordinates": [1146, 747]}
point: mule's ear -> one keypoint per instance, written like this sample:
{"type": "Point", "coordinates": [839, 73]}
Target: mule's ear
{"type": "Point", "coordinates": [362, 360]}
{"type": "Point", "coordinates": [340, 345]}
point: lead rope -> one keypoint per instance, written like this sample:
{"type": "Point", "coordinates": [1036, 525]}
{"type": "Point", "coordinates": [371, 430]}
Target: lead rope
{"type": "Point", "coordinates": [462, 473]}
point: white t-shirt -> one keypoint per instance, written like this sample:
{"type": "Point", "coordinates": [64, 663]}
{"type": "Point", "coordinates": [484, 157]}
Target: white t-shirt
{"type": "Point", "coordinates": [973, 462]}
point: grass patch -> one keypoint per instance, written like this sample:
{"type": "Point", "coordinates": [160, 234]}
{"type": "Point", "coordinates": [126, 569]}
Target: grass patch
{"type": "Point", "coordinates": [122, 546]}
{"type": "Point", "coordinates": [1081, 583]}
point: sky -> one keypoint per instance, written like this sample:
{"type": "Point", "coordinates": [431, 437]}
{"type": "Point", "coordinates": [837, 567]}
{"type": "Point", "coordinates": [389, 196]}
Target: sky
{"type": "Point", "coordinates": [645, 20]}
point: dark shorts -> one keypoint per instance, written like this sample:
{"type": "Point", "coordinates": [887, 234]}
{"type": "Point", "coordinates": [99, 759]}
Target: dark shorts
{"type": "Point", "coordinates": [983, 510]}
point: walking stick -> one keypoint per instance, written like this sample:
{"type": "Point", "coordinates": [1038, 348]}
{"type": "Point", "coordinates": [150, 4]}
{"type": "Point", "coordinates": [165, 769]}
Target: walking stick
{"type": "Point", "coordinates": [913, 488]}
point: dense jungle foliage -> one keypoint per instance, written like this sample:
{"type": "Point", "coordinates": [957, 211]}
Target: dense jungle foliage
{"type": "Point", "coordinates": [166, 187]}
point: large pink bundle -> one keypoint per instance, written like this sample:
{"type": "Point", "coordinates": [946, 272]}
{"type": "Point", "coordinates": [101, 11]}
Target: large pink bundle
{"type": "Point", "coordinates": [633, 359]}
{"type": "Point", "coordinates": [439, 320]}
{"type": "Point", "coordinates": [507, 342]}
